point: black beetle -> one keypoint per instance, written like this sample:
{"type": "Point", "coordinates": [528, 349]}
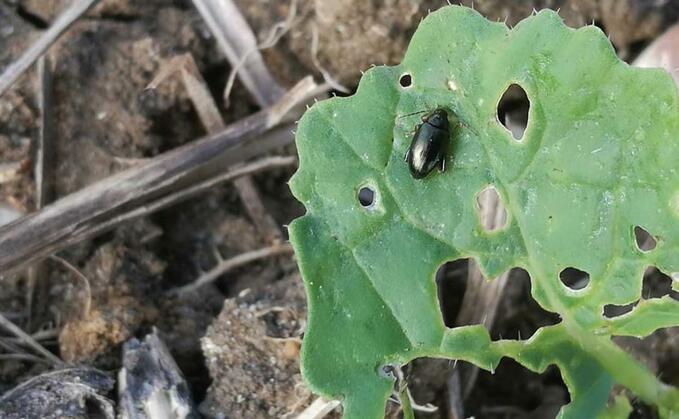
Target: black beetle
{"type": "Point", "coordinates": [429, 146]}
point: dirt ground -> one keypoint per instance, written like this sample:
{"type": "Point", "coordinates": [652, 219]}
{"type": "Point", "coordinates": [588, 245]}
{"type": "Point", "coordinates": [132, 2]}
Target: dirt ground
{"type": "Point", "coordinates": [236, 341]}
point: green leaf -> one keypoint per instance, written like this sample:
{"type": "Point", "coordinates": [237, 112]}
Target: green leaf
{"type": "Point", "coordinates": [598, 158]}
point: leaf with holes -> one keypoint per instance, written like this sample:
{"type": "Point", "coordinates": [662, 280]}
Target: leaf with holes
{"type": "Point", "coordinates": [597, 160]}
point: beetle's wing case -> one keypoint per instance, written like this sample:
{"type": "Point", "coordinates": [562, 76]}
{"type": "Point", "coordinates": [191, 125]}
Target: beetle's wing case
{"type": "Point", "coordinates": [422, 152]}
{"type": "Point", "coordinates": [407, 156]}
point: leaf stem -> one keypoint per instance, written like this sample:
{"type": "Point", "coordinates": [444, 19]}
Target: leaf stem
{"type": "Point", "coordinates": [626, 370]}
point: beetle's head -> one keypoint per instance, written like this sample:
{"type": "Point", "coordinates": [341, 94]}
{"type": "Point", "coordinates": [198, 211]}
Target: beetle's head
{"type": "Point", "coordinates": [438, 118]}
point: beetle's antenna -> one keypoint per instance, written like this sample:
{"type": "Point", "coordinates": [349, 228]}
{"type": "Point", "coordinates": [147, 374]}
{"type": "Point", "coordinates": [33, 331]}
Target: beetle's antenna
{"type": "Point", "coordinates": [410, 114]}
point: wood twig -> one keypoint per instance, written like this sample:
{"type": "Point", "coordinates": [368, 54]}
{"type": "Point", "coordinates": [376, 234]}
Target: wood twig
{"type": "Point", "coordinates": [236, 40]}
{"type": "Point", "coordinates": [249, 195]}
{"type": "Point", "coordinates": [23, 357]}
{"type": "Point", "coordinates": [317, 63]}
{"type": "Point", "coordinates": [202, 187]}
{"type": "Point", "coordinates": [276, 32]}
{"type": "Point", "coordinates": [318, 409]}
{"type": "Point", "coordinates": [43, 173]}
{"type": "Point", "coordinates": [43, 169]}
{"type": "Point", "coordinates": [40, 335]}
{"type": "Point", "coordinates": [454, 398]}
{"type": "Point", "coordinates": [64, 21]}
{"type": "Point", "coordinates": [256, 166]}
{"type": "Point", "coordinates": [123, 196]}
{"type": "Point", "coordinates": [224, 266]}
{"type": "Point", "coordinates": [11, 345]}
{"type": "Point", "coordinates": [29, 341]}
{"type": "Point", "coordinates": [82, 278]}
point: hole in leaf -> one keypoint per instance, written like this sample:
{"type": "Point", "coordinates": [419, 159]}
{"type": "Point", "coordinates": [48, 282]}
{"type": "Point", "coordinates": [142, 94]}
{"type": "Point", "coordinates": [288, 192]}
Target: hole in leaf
{"type": "Point", "coordinates": [641, 410]}
{"type": "Point", "coordinates": [514, 315]}
{"type": "Point", "coordinates": [408, 376]}
{"type": "Point", "coordinates": [451, 281]}
{"type": "Point", "coordinates": [366, 197]}
{"type": "Point", "coordinates": [645, 242]}
{"type": "Point", "coordinates": [512, 110]}
{"type": "Point", "coordinates": [406, 80]}
{"type": "Point", "coordinates": [521, 316]}
{"type": "Point", "coordinates": [426, 379]}
{"type": "Point", "coordinates": [663, 345]}
{"type": "Point", "coordinates": [492, 212]}
{"type": "Point", "coordinates": [614, 310]}
{"type": "Point", "coordinates": [660, 353]}
{"type": "Point", "coordinates": [512, 391]}
{"type": "Point", "coordinates": [657, 284]}
{"type": "Point", "coordinates": [574, 278]}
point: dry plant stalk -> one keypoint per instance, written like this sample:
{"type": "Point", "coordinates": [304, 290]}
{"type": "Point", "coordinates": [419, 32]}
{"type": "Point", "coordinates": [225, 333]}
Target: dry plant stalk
{"type": "Point", "coordinates": [29, 341]}
{"type": "Point", "coordinates": [318, 409]}
{"type": "Point", "coordinates": [224, 266]}
{"type": "Point", "coordinates": [237, 41]}
{"type": "Point", "coordinates": [127, 194]}
{"type": "Point", "coordinates": [64, 21]}
{"type": "Point", "coordinates": [43, 173]}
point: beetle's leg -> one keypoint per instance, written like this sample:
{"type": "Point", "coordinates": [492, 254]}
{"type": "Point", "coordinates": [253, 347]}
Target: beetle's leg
{"type": "Point", "coordinates": [463, 125]}
{"type": "Point", "coordinates": [406, 156]}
